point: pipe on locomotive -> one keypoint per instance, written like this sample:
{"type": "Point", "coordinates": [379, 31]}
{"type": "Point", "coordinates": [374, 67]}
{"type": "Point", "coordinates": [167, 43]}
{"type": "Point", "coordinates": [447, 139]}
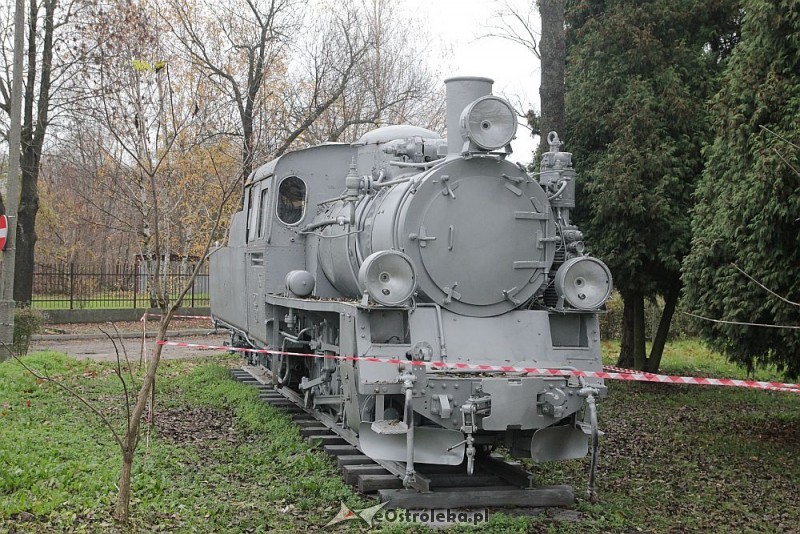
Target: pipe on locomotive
{"type": "Point", "coordinates": [461, 91]}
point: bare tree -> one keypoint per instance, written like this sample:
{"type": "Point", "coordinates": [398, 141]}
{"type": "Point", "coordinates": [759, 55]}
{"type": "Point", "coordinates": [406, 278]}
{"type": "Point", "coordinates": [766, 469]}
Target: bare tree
{"type": "Point", "coordinates": [335, 46]}
{"type": "Point", "coordinates": [516, 25]}
{"type": "Point", "coordinates": [147, 136]}
{"type": "Point", "coordinates": [388, 84]}
{"type": "Point", "coordinates": [86, 212]}
{"type": "Point", "coordinates": [241, 45]}
{"type": "Point", "coordinates": [49, 64]}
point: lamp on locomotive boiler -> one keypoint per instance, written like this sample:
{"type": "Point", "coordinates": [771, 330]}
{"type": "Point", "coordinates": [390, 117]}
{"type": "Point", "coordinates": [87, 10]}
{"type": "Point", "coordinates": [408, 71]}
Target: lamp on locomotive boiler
{"type": "Point", "coordinates": [584, 283]}
{"type": "Point", "coordinates": [489, 123]}
{"type": "Point", "coordinates": [388, 277]}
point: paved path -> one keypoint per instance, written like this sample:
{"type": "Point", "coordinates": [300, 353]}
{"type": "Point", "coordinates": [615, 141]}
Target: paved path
{"type": "Point", "coordinates": [103, 349]}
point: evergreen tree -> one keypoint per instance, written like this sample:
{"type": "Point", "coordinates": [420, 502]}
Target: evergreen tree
{"type": "Point", "coordinates": [638, 76]}
{"type": "Point", "coordinates": [747, 220]}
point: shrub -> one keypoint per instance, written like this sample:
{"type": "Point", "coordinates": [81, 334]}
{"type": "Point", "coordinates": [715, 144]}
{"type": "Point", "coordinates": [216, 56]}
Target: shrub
{"type": "Point", "coordinates": [26, 323]}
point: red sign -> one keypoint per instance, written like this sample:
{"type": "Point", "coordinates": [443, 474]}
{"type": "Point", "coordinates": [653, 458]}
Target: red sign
{"type": "Point", "coordinates": [3, 231]}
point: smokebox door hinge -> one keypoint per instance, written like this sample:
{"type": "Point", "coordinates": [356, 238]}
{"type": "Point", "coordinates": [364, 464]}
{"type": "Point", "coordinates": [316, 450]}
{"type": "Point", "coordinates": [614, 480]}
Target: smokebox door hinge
{"type": "Point", "coordinates": [451, 293]}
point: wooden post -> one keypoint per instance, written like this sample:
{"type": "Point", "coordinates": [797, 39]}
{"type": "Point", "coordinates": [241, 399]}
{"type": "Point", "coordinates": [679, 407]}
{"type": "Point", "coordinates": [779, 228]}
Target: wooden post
{"type": "Point", "coordinates": [12, 192]}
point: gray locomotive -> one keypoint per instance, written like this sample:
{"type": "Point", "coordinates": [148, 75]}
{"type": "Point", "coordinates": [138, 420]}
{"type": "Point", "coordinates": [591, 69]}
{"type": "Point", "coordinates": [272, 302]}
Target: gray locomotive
{"type": "Point", "coordinates": [424, 253]}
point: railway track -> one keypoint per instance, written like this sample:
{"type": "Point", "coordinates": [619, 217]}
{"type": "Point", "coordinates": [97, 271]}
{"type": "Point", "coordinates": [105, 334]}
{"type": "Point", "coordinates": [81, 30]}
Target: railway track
{"type": "Point", "coordinates": [495, 482]}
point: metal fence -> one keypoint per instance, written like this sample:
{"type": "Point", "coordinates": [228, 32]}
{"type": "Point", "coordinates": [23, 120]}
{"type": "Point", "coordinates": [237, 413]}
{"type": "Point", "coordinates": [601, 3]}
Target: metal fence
{"type": "Point", "coordinates": [71, 286]}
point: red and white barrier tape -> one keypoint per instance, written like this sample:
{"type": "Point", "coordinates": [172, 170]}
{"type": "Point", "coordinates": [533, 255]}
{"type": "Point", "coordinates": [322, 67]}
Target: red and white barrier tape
{"type": "Point", "coordinates": [620, 374]}
{"type": "Point", "coordinates": [143, 320]}
{"type": "Point", "coordinates": [652, 377]}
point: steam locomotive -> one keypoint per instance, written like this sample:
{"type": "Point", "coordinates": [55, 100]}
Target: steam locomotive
{"type": "Point", "coordinates": [433, 252]}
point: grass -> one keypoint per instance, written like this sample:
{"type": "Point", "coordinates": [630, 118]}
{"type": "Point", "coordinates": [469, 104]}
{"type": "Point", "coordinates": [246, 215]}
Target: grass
{"type": "Point", "coordinates": [252, 472]}
{"type": "Point", "coordinates": [680, 458]}
{"type": "Point", "coordinates": [117, 300]}
{"type": "Point", "coordinates": [699, 458]}
{"type": "Point", "coordinates": [691, 357]}
{"type": "Point", "coordinates": [674, 458]}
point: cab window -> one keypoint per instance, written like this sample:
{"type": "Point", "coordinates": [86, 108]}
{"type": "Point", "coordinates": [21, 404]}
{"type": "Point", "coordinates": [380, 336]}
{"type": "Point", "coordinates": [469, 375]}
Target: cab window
{"type": "Point", "coordinates": [252, 211]}
{"type": "Point", "coordinates": [264, 206]}
{"type": "Point", "coordinates": [291, 200]}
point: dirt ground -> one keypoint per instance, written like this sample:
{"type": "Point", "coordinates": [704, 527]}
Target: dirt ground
{"type": "Point", "coordinates": [103, 349]}
{"type": "Point", "coordinates": [94, 345]}
{"type": "Point", "coordinates": [124, 326]}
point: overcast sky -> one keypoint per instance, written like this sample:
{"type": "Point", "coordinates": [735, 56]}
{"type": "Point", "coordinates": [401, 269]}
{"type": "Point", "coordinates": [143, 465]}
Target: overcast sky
{"type": "Point", "coordinates": [455, 28]}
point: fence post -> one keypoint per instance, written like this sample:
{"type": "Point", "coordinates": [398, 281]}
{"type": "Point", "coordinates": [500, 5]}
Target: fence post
{"type": "Point", "coordinates": [71, 285]}
{"type": "Point", "coordinates": [135, 283]}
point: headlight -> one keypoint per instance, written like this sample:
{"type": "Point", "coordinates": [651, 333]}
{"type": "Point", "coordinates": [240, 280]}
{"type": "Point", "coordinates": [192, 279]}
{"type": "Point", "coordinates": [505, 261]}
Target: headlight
{"type": "Point", "coordinates": [584, 283]}
{"type": "Point", "coordinates": [388, 277]}
{"type": "Point", "coordinates": [489, 122]}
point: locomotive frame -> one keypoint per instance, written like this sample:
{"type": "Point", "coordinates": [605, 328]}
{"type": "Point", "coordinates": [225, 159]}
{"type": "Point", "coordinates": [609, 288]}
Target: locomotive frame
{"type": "Point", "coordinates": [406, 246]}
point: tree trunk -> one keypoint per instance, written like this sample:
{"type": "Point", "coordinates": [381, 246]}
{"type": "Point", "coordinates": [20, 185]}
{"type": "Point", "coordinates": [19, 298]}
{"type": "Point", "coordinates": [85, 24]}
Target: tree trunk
{"type": "Point", "coordinates": [33, 133]}
{"type": "Point", "coordinates": [660, 340]}
{"type": "Point", "coordinates": [132, 435]}
{"type": "Point", "coordinates": [26, 232]}
{"type": "Point", "coordinates": [639, 338]}
{"type": "Point", "coordinates": [626, 346]}
{"type": "Point", "coordinates": [553, 51]}
{"type": "Point", "coordinates": [124, 496]}
{"type": "Point", "coordinates": [247, 147]}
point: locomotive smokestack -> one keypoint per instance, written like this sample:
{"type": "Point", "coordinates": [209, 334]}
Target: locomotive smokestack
{"type": "Point", "coordinates": [461, 92]}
